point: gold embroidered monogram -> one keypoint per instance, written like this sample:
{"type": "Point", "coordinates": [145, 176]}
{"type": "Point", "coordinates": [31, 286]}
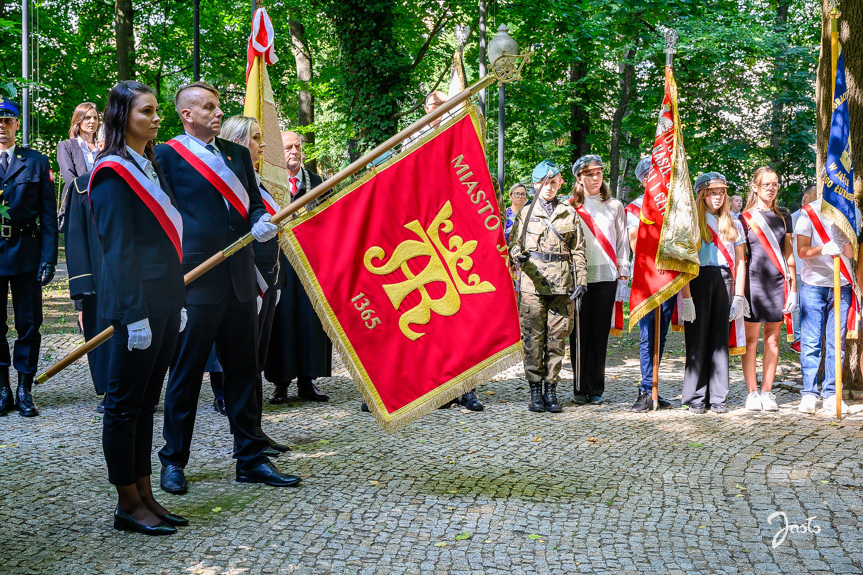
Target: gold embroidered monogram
{"type": "Point", "coordinates": [443, 266]}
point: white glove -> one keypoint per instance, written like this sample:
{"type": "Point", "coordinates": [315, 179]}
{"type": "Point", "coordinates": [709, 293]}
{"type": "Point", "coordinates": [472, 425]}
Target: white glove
{"type": "Point", "coordinates": [687, 311]}
{"type": "Point", "coordinates": [739, 308]}
{"type": "Point", "coordinates": [278, 297]}
{"type": "Point", "coordinates": [184, 317]}
{"type": "Point", "coordinates": [264, 231]}
{"type": "Point", "coordinates": [260, 301]}
{"type": "Point", "coordinates": [791, 304]}
{"type": "Point", "coordinates": [831, 248]}
{"type": "Point", "coordinates": [622, 290]}
{"type": "Point", "coordinates": [140, 334]}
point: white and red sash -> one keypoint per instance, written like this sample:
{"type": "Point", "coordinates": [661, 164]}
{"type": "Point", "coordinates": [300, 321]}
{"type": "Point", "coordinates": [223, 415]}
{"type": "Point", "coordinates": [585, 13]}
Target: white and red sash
{"type": "Point", "coordinates": [844, 269]}
{"type": "Point", "coordinates": [262, 283]}
{"type": "Point", "coordinates": [269, 202]}
{"type": "Point", "coordinates": [156, 200]}
{"type": "Point", "coordinates": [617, 313]}
{"type": "Point", "coordinates": [214, 171]}
{"type": "Point", "coordinates": [770, 243]}
{"type": "Point", "coordinates": [634, 207]}
{"type": "Point", "coordinates": [737, 329]}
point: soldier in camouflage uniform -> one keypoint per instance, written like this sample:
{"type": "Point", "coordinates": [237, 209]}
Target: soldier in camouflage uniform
{"type": "Point", "coordinates": [547, 240]}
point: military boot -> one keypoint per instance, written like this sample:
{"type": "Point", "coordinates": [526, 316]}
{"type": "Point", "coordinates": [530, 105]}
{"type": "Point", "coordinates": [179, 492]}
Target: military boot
{"type": "Point", "coordinates": [552, 405]}
{"type": "Point", "coordinates": [536, 403]}
{"type": "Point", "coordinates": [26, 407]}
{"type": "Point", "coordinates": [7, 400]}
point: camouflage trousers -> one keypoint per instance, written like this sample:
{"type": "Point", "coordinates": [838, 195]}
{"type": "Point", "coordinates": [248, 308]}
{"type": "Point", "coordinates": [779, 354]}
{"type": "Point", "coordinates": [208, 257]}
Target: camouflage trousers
{"type": "Point", "coordinates": [546, 322]}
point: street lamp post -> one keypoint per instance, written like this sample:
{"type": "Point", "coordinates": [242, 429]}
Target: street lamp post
{"type": "Point", "coordinates": [501, 44]}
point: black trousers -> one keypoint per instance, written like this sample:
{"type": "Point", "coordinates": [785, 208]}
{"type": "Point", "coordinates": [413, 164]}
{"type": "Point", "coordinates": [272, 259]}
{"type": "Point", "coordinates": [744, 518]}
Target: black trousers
{"type": "Point", "coordinates": [99, 359]}
{"type": "Point", "coordinates": [232, 326]}
{"type": "Point", "coordinates": [705, 379]}
{"type": "Point", "coordinates": [597, 305]}
{"type": "Point", "coordinates": [265, 329]}
{"type": "Point", "coordinates": [27, 307]}
{"type": "Point", "coordinates": [134, 385]}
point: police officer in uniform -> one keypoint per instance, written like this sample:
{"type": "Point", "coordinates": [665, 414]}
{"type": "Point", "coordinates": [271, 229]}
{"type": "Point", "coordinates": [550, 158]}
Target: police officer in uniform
{"type": "Point", "coordinates": [28, 255]}
{"type": "Point", "coordinates": [548, 242]}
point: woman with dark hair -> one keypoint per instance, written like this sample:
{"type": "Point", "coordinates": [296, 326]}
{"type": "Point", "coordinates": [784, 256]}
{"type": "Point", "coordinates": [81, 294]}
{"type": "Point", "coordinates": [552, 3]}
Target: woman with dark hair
{"type": "Point", "coordinates": [606, 245]}
{"type": "Point", "coordinates": [714, 299]}
{"type": "Point", "coordinates": [141, 292]}
{"type": "Point", "coordinates": [771, 283]}
{"type": "Point", "coordinates": [77, 154]}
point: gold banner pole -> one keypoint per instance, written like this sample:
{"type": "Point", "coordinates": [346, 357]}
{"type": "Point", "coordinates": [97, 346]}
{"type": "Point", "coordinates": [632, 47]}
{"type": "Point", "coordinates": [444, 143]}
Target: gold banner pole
{"type": "Point", "coordinates": [506, 69]}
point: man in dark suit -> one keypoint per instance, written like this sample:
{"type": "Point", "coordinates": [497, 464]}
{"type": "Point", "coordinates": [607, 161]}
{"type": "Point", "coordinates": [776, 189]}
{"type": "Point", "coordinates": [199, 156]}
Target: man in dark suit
{"type": "Point", "coordinates": [299, 346]}
{"type": "Point", "coordinates": [218, 198]}
{"type": "Point", "coordinates": [28, 255]}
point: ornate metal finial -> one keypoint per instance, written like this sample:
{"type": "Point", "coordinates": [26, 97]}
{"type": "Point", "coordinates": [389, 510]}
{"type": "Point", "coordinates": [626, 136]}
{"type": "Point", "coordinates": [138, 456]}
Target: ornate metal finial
{"type": "Point", "coordinates": [507, 68]}
{"type": "Point", "coordinates": [670, 45]}
{"type": "Point", "coordinates": [834, 9]}
{"type": "Point", "coordinates": [462, 31]}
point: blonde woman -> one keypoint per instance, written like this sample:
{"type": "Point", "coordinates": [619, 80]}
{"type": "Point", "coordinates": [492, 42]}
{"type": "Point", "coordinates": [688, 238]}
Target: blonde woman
{"type": "Point", "coordinates": [713, 299]}
{"type": "Point", "coordinates": [771, 283]}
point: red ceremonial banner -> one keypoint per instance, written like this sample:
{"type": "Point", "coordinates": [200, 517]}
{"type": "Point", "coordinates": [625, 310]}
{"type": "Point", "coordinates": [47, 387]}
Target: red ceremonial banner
{"type": "Point", "coordinates": [407, 269]}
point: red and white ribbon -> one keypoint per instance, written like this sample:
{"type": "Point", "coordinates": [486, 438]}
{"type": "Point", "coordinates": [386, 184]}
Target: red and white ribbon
{"type": "Point", "coordinates": [608, 249]}
{"type": "Point", "coordinates": [261, 40]}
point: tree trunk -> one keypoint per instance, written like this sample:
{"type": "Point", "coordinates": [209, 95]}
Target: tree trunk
{"type": "Point", "coordinates": [579, 120]}
{"type": "Point", "coordinates": [776, 120]}
{"type": "Point", "coordinates": [852, 49]}
{"type": "Point", "coordinates": [627, 76]}
{"type": "Point", "coordinates": [125, 39]}
{"type": "Point", "coordinates": [303, 58]}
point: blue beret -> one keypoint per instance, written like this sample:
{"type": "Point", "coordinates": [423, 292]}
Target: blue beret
{"type": "Point", "coordinates": [642, 168]}
{"type": "Point", "coordinates": [8, 108]}
{"type": "Point", "coordinates": [705, 179]}
{"type": "Point", "coordinates": [584, 162]}
{"type": "Point", "coordinates": [545, 169]}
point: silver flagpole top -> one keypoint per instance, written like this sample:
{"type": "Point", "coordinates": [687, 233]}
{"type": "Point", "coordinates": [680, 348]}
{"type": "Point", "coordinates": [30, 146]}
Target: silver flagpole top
{"type": "Point", "coordinates": [670, 45]}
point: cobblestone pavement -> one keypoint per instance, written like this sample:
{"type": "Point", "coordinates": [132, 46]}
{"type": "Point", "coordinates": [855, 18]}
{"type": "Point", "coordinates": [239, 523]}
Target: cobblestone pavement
{"type": "Point", "coordinates": [594, 489]}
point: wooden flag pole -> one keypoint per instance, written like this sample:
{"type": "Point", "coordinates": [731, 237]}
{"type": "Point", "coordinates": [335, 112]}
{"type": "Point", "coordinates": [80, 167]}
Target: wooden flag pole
{"type": "Point", "coordinates": [505, 69]}
{"type": "Point", "coordinates": [837, 289]}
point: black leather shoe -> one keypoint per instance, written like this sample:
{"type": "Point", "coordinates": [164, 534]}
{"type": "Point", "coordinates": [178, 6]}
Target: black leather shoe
{"type": "Point", "coordinates": [552, 405]}
{"type": "Point", "coordinates": [125, 522]}
{"type": "Point", "coordinates": [100, 407]}
{"type": "Point", "coordinates": [267, 473]}
{"type": "Point", "coordinates": [7, 400]}
{"type": "Point", "coordinates": [173, 480]}
{"type": "Point", "coordinates": [364, 407]}
{"type": "Point", "coordinates": [307, 391]}
{"type": "Point", "coordinates": [280, 394]}
{"type": "Point", "coordinates": [664, 403]}
{"type": "Point", "coordinates": [644, 402]}
{"type": "Point", "coordinates": [26, 407]}
{"type": "Point", "coordinates": [536, 403]}
{"type": "Point", "coordinates": [270, 452]}
{"type": "Point", "coordinates": [470, 401]}
{"type": "Point", "coordinates": [219, 406]}
{"type": "Point", "coordinates": [172, 519]}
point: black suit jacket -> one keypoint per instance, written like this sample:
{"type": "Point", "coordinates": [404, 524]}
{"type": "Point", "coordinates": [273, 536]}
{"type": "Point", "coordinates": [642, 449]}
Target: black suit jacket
{"type": "Point", "coordinates": [210, 226]}
{"type": "Point", "coordinates": [28, 192]}
{"type": "Point", "coordinates": [83, 250]}
{"type": "Point", "coordinates": [70, 158]}
{"type": "Point", "coordinates": [142, 276]}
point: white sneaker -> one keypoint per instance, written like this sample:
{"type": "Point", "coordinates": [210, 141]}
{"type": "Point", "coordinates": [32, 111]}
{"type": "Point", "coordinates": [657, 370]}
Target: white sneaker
{"type": "Point", "coordinates": [829, 405]}
{"type": "Point", "coordinates": [768, 401]}
{"type": "Point", "coordinates": [753, 401]}
{"type": "Point", "coordinates": [808, 404]}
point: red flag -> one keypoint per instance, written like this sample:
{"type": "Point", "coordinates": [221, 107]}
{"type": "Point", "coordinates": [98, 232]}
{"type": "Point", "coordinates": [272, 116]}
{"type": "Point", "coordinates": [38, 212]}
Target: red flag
{"type": "Point", "coordinates": [261, 40]}
{"type": "Point", "coordinates": [666, 252]}
{"type": "Point", "coordinates": [407, 270]}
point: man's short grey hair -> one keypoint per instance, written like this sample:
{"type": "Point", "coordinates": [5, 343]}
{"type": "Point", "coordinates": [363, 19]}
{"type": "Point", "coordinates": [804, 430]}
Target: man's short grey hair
{"type": "Point", "coordinates": [184, 99]}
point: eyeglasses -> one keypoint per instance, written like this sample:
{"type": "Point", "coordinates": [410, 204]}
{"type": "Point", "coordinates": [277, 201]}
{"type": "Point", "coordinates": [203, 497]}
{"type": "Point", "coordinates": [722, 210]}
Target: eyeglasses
{"type": "Point", "coordinates": [773, 186]}
{"type": "Point", "coordinates": [518, 195]}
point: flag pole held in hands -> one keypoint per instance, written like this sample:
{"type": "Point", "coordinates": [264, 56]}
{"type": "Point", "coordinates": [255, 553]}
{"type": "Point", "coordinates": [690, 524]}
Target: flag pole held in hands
{"type": "Point", "coordinates": [837, 288]}
{"type": "Point", "coordinates": [508, 68]}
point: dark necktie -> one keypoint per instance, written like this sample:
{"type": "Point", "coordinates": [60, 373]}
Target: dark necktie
{"type": "Point", "coordinates": [211, 149]}
{"type": "Point", "coordinates": [4, 161]}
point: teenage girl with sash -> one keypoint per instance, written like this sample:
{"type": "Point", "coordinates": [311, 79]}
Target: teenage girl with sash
{"type": "Point", "coordinates": [771, 283]}
{"type": "Point", "coordinates": [606, 242]}
{"type": "Point", "coordinates": [141, 292]}
{"type": "Point", "coordinates": [713, 299]}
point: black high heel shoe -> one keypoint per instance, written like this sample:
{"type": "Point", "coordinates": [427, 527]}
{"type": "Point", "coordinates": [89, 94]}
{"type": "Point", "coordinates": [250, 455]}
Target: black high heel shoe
{"type": "Point", "coordinates": [172, 519]}
{"type": "Point", "coordinates": [125, 522]}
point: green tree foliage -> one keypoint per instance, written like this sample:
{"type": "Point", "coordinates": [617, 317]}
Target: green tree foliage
{"type": "Point", "coordinates": [746, 73]}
